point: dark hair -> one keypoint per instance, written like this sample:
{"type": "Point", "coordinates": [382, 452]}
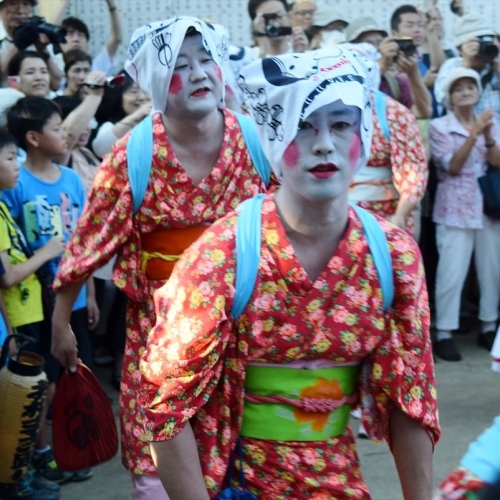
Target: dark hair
{"type": "Point", "coordinates": [33, 3]}
{"type": "Point", "coordinates": [74, 56]}
{"type": "Point", "coordinates": [253, 5]}
{"type": "Point", "coordinates": [30, 114]}
{"type": "Point", "coordinates": [75, 24]}
{"type": "Point", "coordinates": [110, 109]}
{"type": "Point", "coordinates": [67, 104]}
{"type": "Point", "coordinates": [16, 62]}
{"type": "Point", "coordinates": [6, 139]}
{"type": "Point", "coordinates": [396, 15]}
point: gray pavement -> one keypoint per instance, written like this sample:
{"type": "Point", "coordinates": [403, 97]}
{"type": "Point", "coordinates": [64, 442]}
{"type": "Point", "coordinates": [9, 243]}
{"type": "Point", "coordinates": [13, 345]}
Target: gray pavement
{"type": "Point", "coordinates": [469, 398]}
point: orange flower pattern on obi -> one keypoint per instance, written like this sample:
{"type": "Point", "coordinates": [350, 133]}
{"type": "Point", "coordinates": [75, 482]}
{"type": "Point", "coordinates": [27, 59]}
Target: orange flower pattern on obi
{"type": "Point", "coordinates": [322, 389]}
{"type": "Point", "coordinates": [108, 227]}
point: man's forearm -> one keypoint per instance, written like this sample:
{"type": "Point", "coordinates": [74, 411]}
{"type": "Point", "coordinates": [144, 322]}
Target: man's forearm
{"type": "Point", "coordinates": [178, 465]}
{"type": "Point", "coordinates": [422, 100]}
{"type": "Point", "coordinates": [65, 300]}
{"type": "Point", "coordinates": [55, 74]}
{"type": "Point", "coordinates": [405, 208]}
{"type": "Point", "coordinates": [436, 52]}
{"type": "Point", "coordinates": [412, 450]}
{"type": "Point", "coordinates": [116, 30]}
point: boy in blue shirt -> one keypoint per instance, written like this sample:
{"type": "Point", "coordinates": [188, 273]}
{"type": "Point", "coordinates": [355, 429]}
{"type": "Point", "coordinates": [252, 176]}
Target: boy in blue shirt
{"type": "Point", "coordinates": [47, 202]}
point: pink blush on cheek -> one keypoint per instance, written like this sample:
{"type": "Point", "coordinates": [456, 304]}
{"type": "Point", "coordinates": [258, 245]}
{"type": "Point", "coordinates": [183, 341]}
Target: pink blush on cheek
{"type": "Point", "coordinates": [218, 72]}
{"type": "Point", "coordinates": [354, 151]}
{"type": "Point", "coordinates": [291, 155]}
{"type": "Point", "coordinates": [175, 84]}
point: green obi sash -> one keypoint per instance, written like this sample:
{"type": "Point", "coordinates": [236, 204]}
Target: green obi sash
{"type": "Point", "coordinates": [296, 404]}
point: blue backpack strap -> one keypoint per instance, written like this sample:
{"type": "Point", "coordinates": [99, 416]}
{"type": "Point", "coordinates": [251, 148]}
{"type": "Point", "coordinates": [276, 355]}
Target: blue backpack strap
{"type": "Point", "coordinates": [248, 242]}
{"type": "Point", "coordinates": [139, 159]}
{"type": "Point", "coordinates": [251, 136]}
{"type": "Point", "coordinates": [377, 242]}
{"type": "Point", "coordinates": [380, 100]}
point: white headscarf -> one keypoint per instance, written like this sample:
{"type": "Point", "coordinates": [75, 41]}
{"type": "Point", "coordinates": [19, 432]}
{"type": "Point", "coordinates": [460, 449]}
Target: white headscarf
{"type": "Point", "coordinates": [370, 52]}
{"type": "Point", "coordinates": [154, 48]}
{"type": "Point", "coordinates": [282, 91]}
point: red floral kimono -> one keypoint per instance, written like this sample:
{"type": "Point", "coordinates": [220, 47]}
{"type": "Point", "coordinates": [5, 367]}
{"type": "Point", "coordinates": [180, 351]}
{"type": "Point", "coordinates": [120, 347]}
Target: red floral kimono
{"type": "Point", "coordinates": [108, 226]}
{"type": "Point", "coordinates": [195, 362]}
{"type": "Point", "coordinates": [460, 484]}
{"type": "Point", "coordinates": [404, 154]}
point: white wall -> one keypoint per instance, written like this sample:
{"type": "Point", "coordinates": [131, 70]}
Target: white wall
{"type": "Point", "coordinates": [233, 14]}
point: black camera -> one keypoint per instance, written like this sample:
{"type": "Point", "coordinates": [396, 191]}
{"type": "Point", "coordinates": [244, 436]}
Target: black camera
{"type": "Point", "coordinates": [455, 8]}
{"type": "Point", "coordinates": [406, 46]}
{"type": "Point", "coordinates": [487, 49]}
{"type": "Point", "coordinates": [24, 34]}
{"type": "Point", "coordinates": [273, 31]}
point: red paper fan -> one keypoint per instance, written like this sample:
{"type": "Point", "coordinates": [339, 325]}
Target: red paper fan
{"type": "Point", "coordinates": [83, 425]}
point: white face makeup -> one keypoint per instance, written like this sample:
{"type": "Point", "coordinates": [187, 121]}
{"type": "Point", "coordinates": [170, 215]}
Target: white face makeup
{"type": "Point", "coordinates": [320, 162]}
{"type": "Point", "coordinates": [196, 85]}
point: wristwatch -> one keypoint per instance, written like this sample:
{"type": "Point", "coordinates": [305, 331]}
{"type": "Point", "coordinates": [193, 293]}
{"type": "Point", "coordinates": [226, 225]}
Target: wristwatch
{"type": "Point", "coordinates": [491, 144]}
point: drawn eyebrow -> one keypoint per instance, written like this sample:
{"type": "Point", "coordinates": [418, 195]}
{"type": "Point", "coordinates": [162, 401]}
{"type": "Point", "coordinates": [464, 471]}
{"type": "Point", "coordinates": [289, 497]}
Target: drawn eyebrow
{"type": "Point", "coordinates": [201, 49]}
{"type": "Point", "coordinates": [342, 112]}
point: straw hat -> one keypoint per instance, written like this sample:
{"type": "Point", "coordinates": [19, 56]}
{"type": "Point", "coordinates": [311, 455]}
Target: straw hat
{"type": "Point", "coordinates": [360, 26]}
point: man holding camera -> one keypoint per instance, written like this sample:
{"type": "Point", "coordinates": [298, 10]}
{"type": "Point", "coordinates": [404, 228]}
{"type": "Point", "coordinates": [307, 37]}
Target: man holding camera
{"type": "Point", "coordinates": [407, 30]}
{"type": "Point", "coordinates": [271, 28]}
{"type": "Point", "coordinates": [23, 30]}
{"type": "Point", "coordinates": [478, 46]}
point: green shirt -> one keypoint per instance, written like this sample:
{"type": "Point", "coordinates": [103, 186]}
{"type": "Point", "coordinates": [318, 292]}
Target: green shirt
{"type": "Point", "coordinates": [24, 300]}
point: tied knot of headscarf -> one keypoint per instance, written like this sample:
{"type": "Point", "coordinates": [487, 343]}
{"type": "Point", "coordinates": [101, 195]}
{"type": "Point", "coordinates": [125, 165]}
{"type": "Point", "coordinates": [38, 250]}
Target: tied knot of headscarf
{"type": "Point", "coordinates": [280, 92]}
{"type": "Point", "coordinates": [154, 49]}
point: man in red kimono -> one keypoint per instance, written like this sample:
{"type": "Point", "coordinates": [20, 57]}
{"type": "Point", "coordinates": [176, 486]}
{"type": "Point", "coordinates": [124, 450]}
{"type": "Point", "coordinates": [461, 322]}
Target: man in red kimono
{"type": "Point", "coordinates": [201, 169]}
{"type": "Point", "coordinates": [276, 382]}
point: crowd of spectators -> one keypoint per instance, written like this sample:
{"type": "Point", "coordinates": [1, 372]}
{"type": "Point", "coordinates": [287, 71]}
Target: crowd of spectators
{"type": "Point", "coordinates": [436, 131]}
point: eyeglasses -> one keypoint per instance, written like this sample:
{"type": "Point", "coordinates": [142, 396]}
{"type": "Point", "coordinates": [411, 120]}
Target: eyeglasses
{"type": "Point", "coordinates": [304, 13]}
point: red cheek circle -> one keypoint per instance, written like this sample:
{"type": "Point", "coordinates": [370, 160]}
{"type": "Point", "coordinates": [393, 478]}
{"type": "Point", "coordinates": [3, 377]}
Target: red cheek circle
{"type": "Point", "coordinates": [354, 151]}
{"type": "Point", "coordinates": [291, 155]}
{"type": "Point", "coordinates": [175, 84]}
{"type": "Point", "coordinates": [218, 72]}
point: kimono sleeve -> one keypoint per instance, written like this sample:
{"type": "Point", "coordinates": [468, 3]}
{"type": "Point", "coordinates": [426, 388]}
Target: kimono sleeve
{"type": "Point", "coordinates": [400, 371]}
{"type": "Point", "coordinates": [105, 224]}
{"type": "Point", "coordinates": [408, 160]}
{"type": "Point", "coordinates": [185, 354]}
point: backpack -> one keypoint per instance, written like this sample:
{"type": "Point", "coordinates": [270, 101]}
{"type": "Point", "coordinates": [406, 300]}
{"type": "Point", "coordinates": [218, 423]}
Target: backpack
{"type": "Point", "coordinates": [248, 245]}
{"type": "Point", "coordinates": [140, 155]}
{"type": "Point", "coordinates": [380, 105]}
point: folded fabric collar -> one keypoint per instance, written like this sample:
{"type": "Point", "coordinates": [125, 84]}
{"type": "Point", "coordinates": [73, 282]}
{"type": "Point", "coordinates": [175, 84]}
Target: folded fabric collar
{"type": "Point", "coordinates": [154, 48]}
{"type": "Point", "coordinates": [282, 91]}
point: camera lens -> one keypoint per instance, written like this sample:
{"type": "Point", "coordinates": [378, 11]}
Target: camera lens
{"type": "Point", "coordinates": [272, 31]}
{"type": "Point", "coordinates": [489, 51]}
